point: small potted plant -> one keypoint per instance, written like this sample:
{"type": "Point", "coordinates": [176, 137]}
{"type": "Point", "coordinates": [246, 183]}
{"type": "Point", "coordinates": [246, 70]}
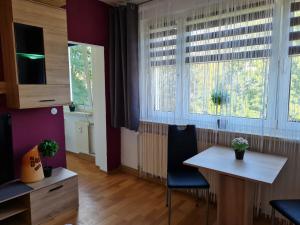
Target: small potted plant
{"type": "Point", "coordinates": [219, 98]}
{"type": "Point", "coordinates": [240, 145]}
{"type": "Point", "coordinates": [72, 107]}
{"type": "Point", "coordinates": [48, 149]}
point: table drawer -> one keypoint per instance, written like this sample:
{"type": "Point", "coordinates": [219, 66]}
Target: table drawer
{"type": "Point", "coordinates": [52, 200]}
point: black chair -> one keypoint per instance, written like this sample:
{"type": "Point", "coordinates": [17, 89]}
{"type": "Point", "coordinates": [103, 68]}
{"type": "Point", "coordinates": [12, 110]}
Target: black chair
{"type": "Point", "coordinates": [182, 145]}
{"type": "Point", "coordinates": [288, 208]}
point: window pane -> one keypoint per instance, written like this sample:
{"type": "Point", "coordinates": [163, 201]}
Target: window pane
{"type": "Point", "coordinates": [294, 105]}
{"type": "Point", "coordinates": [164, 88]}
{"type": "Point", "coordinates": [240, 82]}
{"type": "Point", "coordinates": [81, 74]}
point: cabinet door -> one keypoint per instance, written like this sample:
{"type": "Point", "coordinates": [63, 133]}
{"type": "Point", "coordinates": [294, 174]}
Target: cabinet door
{"type": "Point", "coordinates": [50, 201]}
{"type": "Point", "coordinates": [35, 96]}
{"type": "Point", "coordinates": [54, 24]}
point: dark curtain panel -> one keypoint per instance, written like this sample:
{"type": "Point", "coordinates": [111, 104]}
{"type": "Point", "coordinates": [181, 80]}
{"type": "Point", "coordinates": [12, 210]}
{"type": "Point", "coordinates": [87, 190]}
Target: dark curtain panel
{"type": "Point", "coordinates": [124, 75]}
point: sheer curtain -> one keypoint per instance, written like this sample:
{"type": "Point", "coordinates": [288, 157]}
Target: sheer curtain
{"type": "Point", "coordinates": [208, 66]}
{"type": "Point", "coordinates": [229, 67]}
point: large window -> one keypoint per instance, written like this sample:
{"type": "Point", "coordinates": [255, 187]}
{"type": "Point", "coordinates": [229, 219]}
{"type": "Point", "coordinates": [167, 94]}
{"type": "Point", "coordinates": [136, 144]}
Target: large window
{"type": "Point", "coordinates": [81, 76]}
{"type": "Point", "coordinates": [235, 60]}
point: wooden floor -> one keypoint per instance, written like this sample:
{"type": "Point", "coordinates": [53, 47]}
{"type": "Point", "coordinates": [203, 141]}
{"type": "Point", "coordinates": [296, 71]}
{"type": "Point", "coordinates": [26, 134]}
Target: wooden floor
{"type": "Point", "coordinates": [123, 199]}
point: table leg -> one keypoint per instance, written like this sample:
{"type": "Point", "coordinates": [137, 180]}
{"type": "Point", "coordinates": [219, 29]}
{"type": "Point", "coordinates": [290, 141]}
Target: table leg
{"type": "Point", "coordinates": [235, 201]}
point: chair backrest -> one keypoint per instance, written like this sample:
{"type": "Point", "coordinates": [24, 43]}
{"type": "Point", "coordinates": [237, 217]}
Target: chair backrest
{"type": "Point", "coordinates": [182, 145]}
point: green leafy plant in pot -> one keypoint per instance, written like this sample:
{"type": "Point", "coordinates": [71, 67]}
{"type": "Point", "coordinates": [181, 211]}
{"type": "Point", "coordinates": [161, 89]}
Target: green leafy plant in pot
{"type": "Point", "coordinates": [48, 149]}
{"type": "Point", "coordinates": [240, 145]}
{"type": "Point", "coordinates": [219, 98]}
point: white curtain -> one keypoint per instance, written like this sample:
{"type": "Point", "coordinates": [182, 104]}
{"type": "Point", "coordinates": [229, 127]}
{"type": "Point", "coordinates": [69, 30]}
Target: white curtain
{"type": "Point", "coordinates": [222, 64]}
{"type": "Point", "coordinates": [232, 68]}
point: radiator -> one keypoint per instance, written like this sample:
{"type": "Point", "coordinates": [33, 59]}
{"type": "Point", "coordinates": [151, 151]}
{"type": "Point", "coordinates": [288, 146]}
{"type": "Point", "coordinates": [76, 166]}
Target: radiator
{"type": "Point", "coordinates": [82, 137]}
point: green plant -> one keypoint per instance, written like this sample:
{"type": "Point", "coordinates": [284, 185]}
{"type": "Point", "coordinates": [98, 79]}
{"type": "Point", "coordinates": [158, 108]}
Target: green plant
{"type": "Point", "coordinates": [219, 97]}
{"type": "Point", "coordinates": [240, 144]}
{"type": "Point", "coordinates": [48, 148]}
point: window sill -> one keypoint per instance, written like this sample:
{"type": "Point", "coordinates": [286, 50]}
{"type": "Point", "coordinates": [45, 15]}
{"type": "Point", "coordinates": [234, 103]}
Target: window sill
{"type": "Point", "coordinates": [78, 113]}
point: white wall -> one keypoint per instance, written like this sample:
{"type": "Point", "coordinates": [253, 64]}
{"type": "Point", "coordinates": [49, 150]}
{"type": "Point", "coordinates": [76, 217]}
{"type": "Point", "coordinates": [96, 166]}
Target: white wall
{"type": "Point", "coordinates": [129, 148]}
{"type": "Point", "coordinates": [99, 107]}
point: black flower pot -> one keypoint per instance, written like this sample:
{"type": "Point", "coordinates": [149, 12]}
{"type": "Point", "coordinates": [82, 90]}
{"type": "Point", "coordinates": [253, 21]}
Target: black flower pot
{"type": "Point", "coordinates": [239, 155]}
{"type": "Point", "coordinates": [47, 171]}
{"type": "Point", "coordinates": [72, 107]}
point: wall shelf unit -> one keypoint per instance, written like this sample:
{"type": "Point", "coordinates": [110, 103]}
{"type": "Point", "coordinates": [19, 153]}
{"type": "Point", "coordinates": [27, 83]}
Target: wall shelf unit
{"type": "Point", "coordinates": [34, 46]}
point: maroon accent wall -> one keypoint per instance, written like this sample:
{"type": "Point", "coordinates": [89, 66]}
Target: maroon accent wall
{"type": "Point", "coordinates": [88, 22]}
{"type": "Point", "coordinates": [30, 127]}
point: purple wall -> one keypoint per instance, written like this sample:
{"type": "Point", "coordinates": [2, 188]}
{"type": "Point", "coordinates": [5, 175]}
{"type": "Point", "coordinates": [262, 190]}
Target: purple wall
{"type": "Point", "coordinates": [88, 22]}
{"type": "Point", "coordinates": [30, 127]}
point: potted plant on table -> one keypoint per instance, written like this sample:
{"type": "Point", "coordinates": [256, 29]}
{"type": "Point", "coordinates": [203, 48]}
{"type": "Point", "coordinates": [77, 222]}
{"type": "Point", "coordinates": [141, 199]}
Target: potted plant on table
{"type": "Point", "coordinates": [48, 149]}
{"type": "Point", "coordinates": [240, 145]}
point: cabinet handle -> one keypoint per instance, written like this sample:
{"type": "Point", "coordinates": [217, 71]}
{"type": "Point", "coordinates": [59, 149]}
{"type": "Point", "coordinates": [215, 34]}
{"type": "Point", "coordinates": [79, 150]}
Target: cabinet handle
{"type": "Point", "coordinates": [48, 100]}
{"type": "Point", "coordinates": [56, 188]}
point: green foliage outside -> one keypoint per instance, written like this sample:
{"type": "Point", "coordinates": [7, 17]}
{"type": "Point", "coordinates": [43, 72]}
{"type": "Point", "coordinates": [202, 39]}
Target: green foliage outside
{"type": "Point", "coordinates": [243, 81]}
{"type": "Point", "coordinates": [164, 84]}
{"type": "Point", "coordinates": [294, 105]}
{"type": "Point", "coordinates": [81, 74]}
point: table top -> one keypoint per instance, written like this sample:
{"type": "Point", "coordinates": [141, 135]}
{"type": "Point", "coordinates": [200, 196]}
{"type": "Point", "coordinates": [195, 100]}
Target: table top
{"type": "Point", "coordinates": [257, 167]}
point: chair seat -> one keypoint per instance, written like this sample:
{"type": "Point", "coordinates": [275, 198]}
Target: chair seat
{"type": "Point", "coordinates": [186, 179]}
{"type": "Point", "coordinates": [289, 208]}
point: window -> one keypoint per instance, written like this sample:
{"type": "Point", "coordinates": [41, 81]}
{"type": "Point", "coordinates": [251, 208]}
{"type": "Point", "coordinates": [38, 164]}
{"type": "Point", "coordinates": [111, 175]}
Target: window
{"type": "Point", "coordinates": [163, 42]}
{"type": "Point", "coordinates": [246, 53]}
{"type": "Point", "coordinates": [81, 76]}
{"type": "Point", "coordinates": [229, 51]}
{"type": "Point", "coordinates": [243, 82]}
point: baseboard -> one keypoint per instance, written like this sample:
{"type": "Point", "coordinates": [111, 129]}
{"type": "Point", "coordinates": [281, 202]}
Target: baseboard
{"type": "Point", "coordinates": [87, 157]}
{"type": "Point", "coordinates": [84, 156]}
{"type": "Point", "coordinates": [135, 172]}
{"type": "Point", "coordinates": [129, 170]}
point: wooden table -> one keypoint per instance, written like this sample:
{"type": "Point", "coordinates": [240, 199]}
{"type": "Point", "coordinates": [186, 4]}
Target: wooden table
{"type": "Point", "coordinates": [237, 179]}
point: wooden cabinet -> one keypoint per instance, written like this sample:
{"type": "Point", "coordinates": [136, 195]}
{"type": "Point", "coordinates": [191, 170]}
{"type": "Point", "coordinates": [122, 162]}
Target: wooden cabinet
{"type": "Point", "coordinates": [48, 202]}
{"type": "Point", "coordinates": [39, 202]}
{"type": "Point", "coordinates": [54, 88]}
